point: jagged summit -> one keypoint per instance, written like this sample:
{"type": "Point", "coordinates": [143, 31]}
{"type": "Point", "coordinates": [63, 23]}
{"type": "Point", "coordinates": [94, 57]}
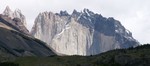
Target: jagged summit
{"type": "Point", "coordinates": [8, 12]}
{"type": "Point", "coordinates": [16, 18]}
{"type": "Point", "coordinates": [15, 14]}
{"type": "Point", "coordinates": [75, 13]}
{"type": "Point", "coordinates": [86, 10]}
{"type": "Point", "coordinates": [81, 33]}
{"type": "Point", "coordinates": [64, 13]}
{"type": "Point", "coordinates": [7, 9]}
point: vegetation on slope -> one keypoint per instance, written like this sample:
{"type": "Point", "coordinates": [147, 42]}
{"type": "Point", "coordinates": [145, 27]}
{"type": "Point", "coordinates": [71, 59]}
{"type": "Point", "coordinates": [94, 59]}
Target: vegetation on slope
{"type": "Point", "coordinates": [139, 56]}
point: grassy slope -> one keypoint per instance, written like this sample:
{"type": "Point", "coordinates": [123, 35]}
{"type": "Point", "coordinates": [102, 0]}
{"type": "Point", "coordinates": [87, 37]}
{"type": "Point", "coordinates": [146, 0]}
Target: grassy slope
{"type": "Point", "coordinates": [139, 56]}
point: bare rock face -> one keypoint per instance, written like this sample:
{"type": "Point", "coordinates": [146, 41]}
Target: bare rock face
{"type": "Point", "coordinates": [18, 19]}
{"type": "Point", "coordinates": [81, 33]}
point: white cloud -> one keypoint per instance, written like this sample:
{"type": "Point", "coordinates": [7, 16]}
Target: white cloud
{"type": "Point", "coordinates": [133, 14]}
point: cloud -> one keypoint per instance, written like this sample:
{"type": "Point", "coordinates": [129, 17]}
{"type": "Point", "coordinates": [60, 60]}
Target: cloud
{"type": "Point", "coordinates": [133, 14]}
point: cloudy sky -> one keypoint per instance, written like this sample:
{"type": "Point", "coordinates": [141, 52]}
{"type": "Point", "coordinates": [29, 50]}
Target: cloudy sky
{"type": "Point", "coordinates": [133, 14]}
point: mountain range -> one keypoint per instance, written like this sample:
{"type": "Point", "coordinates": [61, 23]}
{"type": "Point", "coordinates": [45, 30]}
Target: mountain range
{"type": "Point", "coordinates": [80, 33]}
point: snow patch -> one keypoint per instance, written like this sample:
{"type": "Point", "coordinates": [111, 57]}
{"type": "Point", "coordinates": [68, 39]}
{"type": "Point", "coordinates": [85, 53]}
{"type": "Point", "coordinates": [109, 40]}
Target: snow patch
{"type": "Point", "coordinates": [130, 38]}
{"type": "Point", "coordinates": [89, 19]}
{"type": "Point", "coordinates": [116, 25]}
{"type": "Point", "coordinates": [65, 28]}
{"type": "Point", "coordinates": [79, 17]}
{"type": "Point", "coordinates": [116, 31]}
{"type": "Point", "coordinates": [128, 31]}
{"type": "Point", "coordinates": [87, 12]}
{"type": "Point", "coordinates": [84, 17]}
{"type": "Point", "coordinates": [61, 32]}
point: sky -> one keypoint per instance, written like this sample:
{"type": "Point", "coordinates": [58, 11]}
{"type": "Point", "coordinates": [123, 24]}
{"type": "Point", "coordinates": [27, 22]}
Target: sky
{"type": "Point", "coordinates": [134, 15]}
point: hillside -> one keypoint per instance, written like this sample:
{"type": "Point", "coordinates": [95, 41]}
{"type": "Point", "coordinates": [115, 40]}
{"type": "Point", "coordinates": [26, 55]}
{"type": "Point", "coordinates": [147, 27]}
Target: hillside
{"type": "Point", "coordinates": [139, 56]}
{"type": "Point", "coordinates": [14, 42]}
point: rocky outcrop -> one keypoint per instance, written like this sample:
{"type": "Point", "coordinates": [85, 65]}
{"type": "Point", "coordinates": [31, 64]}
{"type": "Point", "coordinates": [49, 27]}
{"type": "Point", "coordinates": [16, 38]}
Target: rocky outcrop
{"type": "Point", "coordinates": [16, 18]}
{"type": "Point", "coordinates": [81, 33]}
{"type": "Point", "coordinates": [13, 42]}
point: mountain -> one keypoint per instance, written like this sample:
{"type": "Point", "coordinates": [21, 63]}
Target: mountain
{"type": "Point", "coordinates": [18, 18]}
{"type": "Point", "coordinates": [138, 56]}
{"type": "Point", "coordinates": [81, 33]}
{"type": "Point", "coordinates": [15, 42]}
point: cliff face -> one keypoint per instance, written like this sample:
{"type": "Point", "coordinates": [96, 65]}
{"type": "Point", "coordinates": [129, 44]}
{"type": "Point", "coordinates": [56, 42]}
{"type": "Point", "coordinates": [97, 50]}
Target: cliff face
{"type": "Point", "coordinates": [81, 33]}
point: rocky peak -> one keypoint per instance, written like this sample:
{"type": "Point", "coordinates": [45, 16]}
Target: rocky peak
{"type": "Point", "coordinates": [82, 33]}
{"type": "Point", "coordinates": [75, 14]}
{"type": "Point", "coordinates": [7, 9]}
{"type": "Point", "coordinates": [74, 11]}
{"type": "Point", "coordinates": [8, 12]}
{"type": "Point", "coordinates": [16, 18]}
{"type": "Point", "coordinates": [16, 14]}
{"type": "Point", "coordinates": [88, 12]}
{"type": "Point", "coordinates": [85, 10]}
{"type": "Point", "coordinates": [64, 13]}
